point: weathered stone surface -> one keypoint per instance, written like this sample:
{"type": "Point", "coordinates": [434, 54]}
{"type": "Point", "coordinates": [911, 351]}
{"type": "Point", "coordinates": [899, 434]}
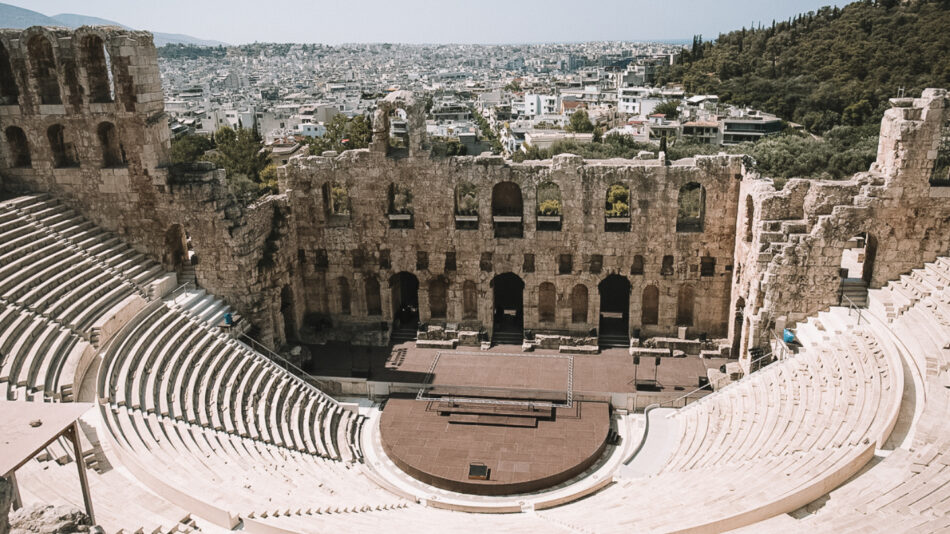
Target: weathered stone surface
{"type": "Point", "coordinates": [43, 519]}
{"type": "Point", "coordinates": [6, 499]}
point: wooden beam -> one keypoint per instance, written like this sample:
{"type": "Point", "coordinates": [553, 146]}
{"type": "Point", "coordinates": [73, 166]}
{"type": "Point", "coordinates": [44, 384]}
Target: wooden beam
{"type": "Point", "coordinates": [72, 434]}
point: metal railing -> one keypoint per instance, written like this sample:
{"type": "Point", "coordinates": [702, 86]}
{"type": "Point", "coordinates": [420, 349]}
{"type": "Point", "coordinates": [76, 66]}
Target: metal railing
{"type": "Point", "coordinates": [781, 350]}
{"type": "Point", "coordinates": [181, 289]}
{"type": "Point", "coordinates": [852, 307]}
{"type": "Point", "coordinates": [709, 388]}
{"type": "Point", "coordinates": [296, 372]}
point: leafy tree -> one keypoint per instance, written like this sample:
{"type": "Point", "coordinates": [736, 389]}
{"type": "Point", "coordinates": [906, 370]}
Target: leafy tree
{"type": "Point", "coordinates": [343, 133]}
{"type": "Point", "coordinates": [240, 153]}
{"type": "Point", "coordinates": [190, 148]}
{"type": "Point", "coordinates": [670, 109]}
{"type": "Point", "coordinates": [827, 68]}
{"type": "Point", "coordinates": [618, 201]}
{"type": "Point", "coordinates": [580, 122]}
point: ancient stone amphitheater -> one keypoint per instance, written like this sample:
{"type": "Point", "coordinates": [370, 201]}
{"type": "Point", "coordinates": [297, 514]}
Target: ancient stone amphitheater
{"type": "Point", "coordinates": [191, 428]}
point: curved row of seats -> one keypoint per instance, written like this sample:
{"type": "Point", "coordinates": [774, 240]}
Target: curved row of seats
{"type": "Point", "coordinates": [34, 350]}
{"type": "Point", "coordinates": [839, 391]}
{"type": "Point", "coordinates": [909, 489]}
{"type": "Point", "coordinates": [62, 266]}
{"type": "Point", "coordinates": [172, 364]}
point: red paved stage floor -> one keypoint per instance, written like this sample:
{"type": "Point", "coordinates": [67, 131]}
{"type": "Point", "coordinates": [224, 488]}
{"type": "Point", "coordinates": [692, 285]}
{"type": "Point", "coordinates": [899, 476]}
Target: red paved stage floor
{"type": "Point", "coordinates": [426, 445]}
{"type": "Point", "coordinates": [527, 446]}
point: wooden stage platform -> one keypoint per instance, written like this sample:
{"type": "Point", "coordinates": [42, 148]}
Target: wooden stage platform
{"type": "Point", "coordinates": [509, 419]}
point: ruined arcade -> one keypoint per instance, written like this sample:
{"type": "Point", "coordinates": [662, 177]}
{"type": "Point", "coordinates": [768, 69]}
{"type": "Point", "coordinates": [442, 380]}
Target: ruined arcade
{"type": "Point", "coordinates": [120, 268]}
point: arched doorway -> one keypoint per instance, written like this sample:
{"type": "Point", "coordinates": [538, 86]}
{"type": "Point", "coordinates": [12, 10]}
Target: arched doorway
{"type": "Point", "coordinates": [615, 310]}
{"type": "Point", "coordinates": [508, 313]}
{"type": "Point", "coordinates": [857, 269]}
{"type": "Point", "coordinates": [176, 248]}
{"type": "Point", "coordinates": [507, 209]}
{"type": "Point", "coordinates": [405, 297]}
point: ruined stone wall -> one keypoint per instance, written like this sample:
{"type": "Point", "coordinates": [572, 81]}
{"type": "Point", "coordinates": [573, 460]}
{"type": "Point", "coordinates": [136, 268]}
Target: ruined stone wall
{"type": "Point", "coordinates": [790, 267]}
{"type": "Point", "coordinates": [112, 162]}
{"type": "Point", "coordinates": [351, 246]}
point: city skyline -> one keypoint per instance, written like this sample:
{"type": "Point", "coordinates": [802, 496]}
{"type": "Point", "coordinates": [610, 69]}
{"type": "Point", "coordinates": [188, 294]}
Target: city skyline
{"type": "Point", "coordinates": [426, 21]}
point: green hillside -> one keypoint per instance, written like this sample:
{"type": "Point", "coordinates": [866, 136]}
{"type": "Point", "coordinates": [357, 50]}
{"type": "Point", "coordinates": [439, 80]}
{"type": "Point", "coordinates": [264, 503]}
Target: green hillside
{"type": "Point", "coordinates": [826, 68]}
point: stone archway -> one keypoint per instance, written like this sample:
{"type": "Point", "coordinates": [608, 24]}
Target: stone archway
{"type": "Point", "coordinates": [508, 313]}
{"type": "Point", "coordinates": [175, 256]}
{"type": "Point", "coordinates": [405, 299]}
{"type": "Point", "coordinates": [615, 306]}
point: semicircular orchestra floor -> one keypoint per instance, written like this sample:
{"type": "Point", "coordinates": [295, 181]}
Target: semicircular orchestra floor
{"type": "Point", "coordinates": [519, 448]}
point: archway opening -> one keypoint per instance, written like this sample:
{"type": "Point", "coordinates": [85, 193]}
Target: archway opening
{"type": "Point", "coordinates": [508, 292]}
{"type": "Point", "coordinates": [438, 297]}
{"type": "Point", "coordinates": [175, 256]}
{"type": "Point", "coordinates": [19, 148]}
{"type": "Point", "coordinates": [579, 304]}
{"type": "Point", "coordinates": [98, 76]}
{"type": "Point", "coordinates": [685, 302]}
{"type": "Point", "coordinates": [113, 155]}
{"type": "Point", "coordinates": [9, 92]}
{"type": "Point", "coordinates": [691, 212]}
{"type": "Point", "coordinates": [373, 302]}
{"type": "Point", "coordinates": [615, 307]}
{"type": "Point", "coordinates": [405, 300]}
{"type": "Point", "coordinates": [64, 153]}
{"type": "Point", "coordinates": [857, 268]}
{"type": "Point", "coordinates": [43, 68]}
{"type": "Point", "coordinates": [507, 209]}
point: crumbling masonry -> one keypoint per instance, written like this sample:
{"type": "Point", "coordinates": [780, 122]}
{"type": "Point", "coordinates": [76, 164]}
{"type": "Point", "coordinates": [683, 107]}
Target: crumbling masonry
{"type": "Point", "coordinates": [384, 237]}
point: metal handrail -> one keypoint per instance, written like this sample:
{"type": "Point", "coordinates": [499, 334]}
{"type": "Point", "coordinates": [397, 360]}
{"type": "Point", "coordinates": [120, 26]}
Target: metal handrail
{"type": "Point", "coordinates": [175, 292]}
{"type": "Point", "coordinates": [852, 306]}
{"type": "Point", "coordinates": [280, 360]}
{"type": "Point", "coordinates": [785, 350]}
{"type": "Point", "coordinates": [706, 388]}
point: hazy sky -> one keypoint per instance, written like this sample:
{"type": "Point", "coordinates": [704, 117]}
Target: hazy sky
{"type": "Point", "coordinates": [433, 21]}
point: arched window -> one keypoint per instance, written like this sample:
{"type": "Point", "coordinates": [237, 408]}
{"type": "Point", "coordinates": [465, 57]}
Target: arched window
{"type": "Point", "coordinates": [337, 199]}
{"type": "Point", "coordinates": [43, 68]}
{"type": "Point", "coordinates": [749, 216]}
{"type": "Point", "coordinates": [549, 207]}
{"type": "Point", "coordinates": [469, 300]}
{"type": "Point", "coordinates": [343, 285]}
{"type": "Point", "coordinates": [64, 154]}
{"type": "Point", "coordinates": [438, 297]}
{"type": "Point", "coordinates": [466, 206]}
{"type": "Point", "coordinates": [19, 147]}
{"type": "Point", "coordinates": [400, 206]}
{"type": "Point", "coordinates": [98, 78]}
{"type": "Point", "coordinates": [112, 153]}
{"type": "Point", "coordinates": [9, 93]}
{"type": "Point", "coordinates": [507, 209]}
{"type": "Point", "coordinates": [650, 306]}
{"type": "Point", "coordinates": [617, 209]}
{"type": "Point", "coordinates": [547, 301]}
{"type": "Point", "coordinates": [398, 130]}
{"type": "Point", "coordinates": [579, 304]}
{"type": "Point", "coordinates": [692, 208]}
{"type": "Point", "coordinates": [684, 305]}
{"type": "Point", "coordinates": [637, 266]}
{"type": "Point", "coordinates": [374, 305]}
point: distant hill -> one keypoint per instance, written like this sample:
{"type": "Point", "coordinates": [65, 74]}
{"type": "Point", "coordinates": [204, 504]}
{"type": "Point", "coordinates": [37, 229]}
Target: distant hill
{"type": "Point", "coordinates": [836, 66]}
{"type": "Point", "coordinates": [18, 17]}
{"type": "Point", "coordinates": [72, 20]}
